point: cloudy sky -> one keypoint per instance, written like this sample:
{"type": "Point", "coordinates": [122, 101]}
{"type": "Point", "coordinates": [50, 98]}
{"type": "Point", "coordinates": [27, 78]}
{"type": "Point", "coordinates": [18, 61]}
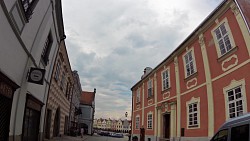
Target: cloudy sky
{"type": "Point", "coordinates": [110, 42]}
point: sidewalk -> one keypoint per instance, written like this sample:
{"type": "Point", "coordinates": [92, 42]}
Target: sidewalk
{"type": "Point", "coordinates": [69, 138]}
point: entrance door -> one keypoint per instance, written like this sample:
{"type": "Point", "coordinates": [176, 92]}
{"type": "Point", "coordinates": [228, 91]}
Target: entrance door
{"type": "Point", "coordinates": [47, 125]}
{"type": "Point", "coordinates": [142, 134]}
{"type": "Point", "coordinates": [166, 126]}
{"type": "Point", "coordinates": [56, 123]}
{"type": "Point", "coordinates": [5, 110]}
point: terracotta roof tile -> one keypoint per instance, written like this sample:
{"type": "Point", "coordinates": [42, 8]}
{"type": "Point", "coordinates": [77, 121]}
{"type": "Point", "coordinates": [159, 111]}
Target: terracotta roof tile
{"type": "Point", "coordinates": [87, 98]}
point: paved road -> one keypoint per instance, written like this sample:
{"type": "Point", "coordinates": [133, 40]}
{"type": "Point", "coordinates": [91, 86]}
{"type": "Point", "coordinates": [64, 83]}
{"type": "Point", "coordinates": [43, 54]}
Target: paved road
{"type": "Point", "coordinates": [88, 138]}
{"type": "Point", "coordinates": [105, 138]}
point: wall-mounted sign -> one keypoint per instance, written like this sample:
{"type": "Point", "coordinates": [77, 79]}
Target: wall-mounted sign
{"type": "Point", "coordinates": [36, 75]}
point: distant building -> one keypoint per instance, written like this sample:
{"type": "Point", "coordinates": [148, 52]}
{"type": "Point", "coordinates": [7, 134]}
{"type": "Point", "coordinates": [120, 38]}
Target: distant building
{"type": "Point", "coordinates": [201, 84]}
{"type": "Point", "coordinates": [123, 126]}
{"type": "Point", "coordinates": [87, 106]}
{"type": "Point", "coordinates": [75, 111]}
{"type": "Point", "coordinates": [31, 32]}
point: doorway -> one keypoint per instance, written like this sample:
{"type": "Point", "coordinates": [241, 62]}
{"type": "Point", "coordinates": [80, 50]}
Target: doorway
{"type": "Point", "coordinates": [5, 110]}
{"type": "Point", "coordinates": [48, 123]}
{"type": "Point", "coordinates": [56, 123]}
{"type": "Point", "coordinates": [166, 125]}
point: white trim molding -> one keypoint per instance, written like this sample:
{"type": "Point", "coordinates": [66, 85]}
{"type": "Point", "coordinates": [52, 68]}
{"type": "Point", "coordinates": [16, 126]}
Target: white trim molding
{"type": "Point", "coordinates": [137, 127]}
{"type": "Point", "coordinates": [191, 83]}
{"type": "Point", "coordinates": [229, 33]}
{"type": "Point", "coordinates": [190, 104]}
{"type": "Point", "coordinates": [152, 123]}
{"type": "Point", "coordinates": [166, 69]}
{"type": "Point", "coordinates": [231, 87]}
{"type": "Point", "coordinates": [193, 59]}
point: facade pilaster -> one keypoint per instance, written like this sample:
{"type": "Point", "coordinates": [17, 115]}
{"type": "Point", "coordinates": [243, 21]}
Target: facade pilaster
{"type": "Point", "coordinates": [178, 95]}
{"type": "Point", "coordinates": [142, 109]}
{"type": "Point", "coordinates": [155, 112]}
{"type": "Point", "coordinates": [244, 30]}
{"type": "Point", "coordinates": [209, 87]}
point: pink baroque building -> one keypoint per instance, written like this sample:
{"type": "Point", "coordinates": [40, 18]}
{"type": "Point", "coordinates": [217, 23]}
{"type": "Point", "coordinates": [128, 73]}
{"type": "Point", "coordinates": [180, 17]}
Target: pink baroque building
{"type": "Point", "coordinates": [201, 84]}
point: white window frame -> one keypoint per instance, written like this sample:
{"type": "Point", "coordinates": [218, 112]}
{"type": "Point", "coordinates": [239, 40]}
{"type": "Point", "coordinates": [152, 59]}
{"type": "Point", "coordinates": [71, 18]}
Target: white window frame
{"type": "Point", "coordinates": [165, 80]}
{"type": "Point", "coordinates": [58, 69]}
{"type": "Point", "coordinates": [190, 62]}
{"type": "Point", "coordinates": [138, 95]}
{"type": "Point", "coordinates": [188, 104]}
{"type": "Point", "coordinates": [137, 122]}
{"type": "Point", "coordinates": [228, 34]}
{"type": "Point", "coordinates": [150, 88]}
{"type": "Point", "coordinates": [150, 121]}
{"type": "Point", "coordinates": [231, 87]}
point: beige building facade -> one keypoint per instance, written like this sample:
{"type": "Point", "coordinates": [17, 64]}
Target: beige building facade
{"type": "Point", "coordinates": [58, 104]}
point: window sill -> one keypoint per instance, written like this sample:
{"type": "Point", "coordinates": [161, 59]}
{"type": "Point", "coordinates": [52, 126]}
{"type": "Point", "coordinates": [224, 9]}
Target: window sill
{"type": "Point", "coordinates": [151, 97]}
{"type": "Point", "coordinates": [193, 127]}
{"type": "Point", "coordinates": [163, 91]}
{"type": "Point", "coordinates": [226, 55]}
{"type": "Point", "coordinates": [191, 76]}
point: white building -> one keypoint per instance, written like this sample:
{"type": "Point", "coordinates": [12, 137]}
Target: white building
{"type": "Point", "coordinates": [87, 106]}
{"type": "Point", "coordinates": [31, 31]}
{"type": "Point", "coordinates": [75, 101]}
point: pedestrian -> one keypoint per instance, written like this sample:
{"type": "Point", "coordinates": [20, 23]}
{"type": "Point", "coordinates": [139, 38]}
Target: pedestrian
{"type": "Point", "coordinates": [82, 131]}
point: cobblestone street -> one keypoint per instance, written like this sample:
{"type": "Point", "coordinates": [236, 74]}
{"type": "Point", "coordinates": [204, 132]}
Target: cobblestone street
{"type": "Point", "coordinates": [88, 138]}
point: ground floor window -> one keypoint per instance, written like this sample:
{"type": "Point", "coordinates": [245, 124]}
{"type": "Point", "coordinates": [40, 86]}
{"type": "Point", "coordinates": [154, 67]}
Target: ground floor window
{"type": "Point", "coordinates": [137, 122]}
{"type": "Point", "coordinates": [193, 113]}
{"type": "Point", "coordinates": [7, 89]}
{"type": "Point", "coordinates": [235, 102]}
{"type": "Point", "coordinates": [31, 123]}
{"type": "Point", "coordinates": [150, 120]}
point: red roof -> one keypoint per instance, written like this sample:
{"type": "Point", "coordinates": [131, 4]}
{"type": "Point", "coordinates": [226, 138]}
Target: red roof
{"type": "Point", "coordinates": [87, 98]}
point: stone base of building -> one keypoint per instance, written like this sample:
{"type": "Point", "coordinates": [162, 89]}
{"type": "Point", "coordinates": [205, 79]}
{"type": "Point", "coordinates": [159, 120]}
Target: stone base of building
{"type": "Point", "coordinates": [155, 138]}
{"type": "Point", "coordinates": [15, 138]}
{"type": "Point", "coordinates": [19, 137]}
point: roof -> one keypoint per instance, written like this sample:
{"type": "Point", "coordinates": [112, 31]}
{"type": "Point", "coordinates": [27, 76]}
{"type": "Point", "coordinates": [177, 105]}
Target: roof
{"type": "Point", "coordinates": [87, 98]}
{"type": "Point", "coordinates": [244, 7]}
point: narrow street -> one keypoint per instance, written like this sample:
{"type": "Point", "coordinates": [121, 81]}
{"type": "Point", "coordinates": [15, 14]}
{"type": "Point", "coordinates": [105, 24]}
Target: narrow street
{"type": "Point", "coordinates": [105, 138]}
{"type": "Point", "coordinates": [95, 137]}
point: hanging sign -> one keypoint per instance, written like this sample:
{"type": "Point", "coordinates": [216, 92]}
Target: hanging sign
{"type": "Point", "coordinates": [36, 76]}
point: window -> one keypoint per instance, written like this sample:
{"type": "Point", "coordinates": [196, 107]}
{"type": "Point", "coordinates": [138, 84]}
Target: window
{"type": "Point", "coordinates": [150, 120]}
{"type": "Point", "coordinates": [46, 49]}
{"type": "Point", "coordinates": [150, 89]}
{"type": "Point", "coordinates": [16, 16]}
{"type": "Point", "coordinates": [240, 133]}
{"type": "Point", "coordinates": [165, 79]}
{"type": "Point", "coordinates": [235, 102]}
{"type": "Point", "coordinates": [137, 122]}
{"type": "Point", "coordinates": [222, 38]}
{"type": "Point", "coordinates": [221, 136]}
{"type": "Point", "coordinates": [28, 7]}
{"type": "Point", "coordinates": [57, 73]}
{"type": "Point", "coordinates": [193, 115]}
{"type": "Point", "coordinates": [189, 63]}
{"type": "Point", "coordinates": [138, 95]}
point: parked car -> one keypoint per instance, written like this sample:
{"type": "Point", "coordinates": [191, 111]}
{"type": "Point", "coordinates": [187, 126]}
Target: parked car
{"type": "Point", "coordinates": [103, 133]}
{"type": "Point", "coordinates": [236, 129]}
{"type": "Point", "coordinates": [117, 135]}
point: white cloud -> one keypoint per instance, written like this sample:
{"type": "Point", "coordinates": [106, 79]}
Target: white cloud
{"type": "Point", "coordinates": [110, 42]}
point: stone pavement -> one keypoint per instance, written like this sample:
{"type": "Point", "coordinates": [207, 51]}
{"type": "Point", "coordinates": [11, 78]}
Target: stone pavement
{"type": "Point", "coordinates": [69, 138]}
